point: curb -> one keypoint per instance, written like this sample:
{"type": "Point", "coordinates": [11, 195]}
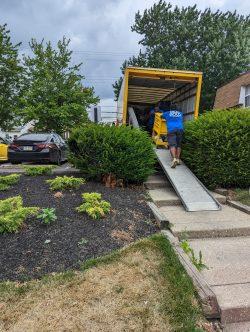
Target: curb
{"type": "Point", "coordinates": [63, 171]}
{"type": "Point", "coordinates": [207, 297]}
{"type": "Point", "coordinates": [235, 204]}
{"type": "Point", "coordinates": [161, 220]}
{"type": "Point", "coordinates": [239, 206]}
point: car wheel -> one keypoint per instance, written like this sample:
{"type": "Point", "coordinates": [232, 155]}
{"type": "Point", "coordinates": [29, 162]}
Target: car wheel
{"type": "Point", "coordinates": [59, 159]}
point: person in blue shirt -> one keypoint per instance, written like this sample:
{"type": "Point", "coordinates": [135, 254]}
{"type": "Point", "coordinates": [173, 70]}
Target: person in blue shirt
{"type": "Point", "coordinates": [174, 123]}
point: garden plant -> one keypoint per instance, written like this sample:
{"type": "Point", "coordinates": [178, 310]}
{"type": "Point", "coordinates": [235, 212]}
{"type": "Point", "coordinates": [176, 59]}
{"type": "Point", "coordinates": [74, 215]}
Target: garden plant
{"type": "Point", "coordinates": [65, 182]}
{"type": "Point", "coordinates": [121, 153]}
{"type": "Point", "coordinates": [47, 215]}
{"type": "Point", "coordinates": [94, 206]}
{"type": "Point", "coordinates": [217, 149]}
{"type": "Point", "coordinates": [8, 180]}
{"type": "Point", "coordinates": [13, 214]}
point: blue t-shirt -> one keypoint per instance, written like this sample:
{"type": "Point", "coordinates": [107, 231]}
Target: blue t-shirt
{"type": "Point", "coordinates": [174, 120]}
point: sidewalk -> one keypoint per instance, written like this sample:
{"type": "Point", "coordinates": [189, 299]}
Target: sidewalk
{"type": "Point", "coordinates": [223, 237]}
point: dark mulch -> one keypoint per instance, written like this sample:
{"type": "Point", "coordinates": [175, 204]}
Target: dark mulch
{"type": "Point", "coordinates": [25, 254]}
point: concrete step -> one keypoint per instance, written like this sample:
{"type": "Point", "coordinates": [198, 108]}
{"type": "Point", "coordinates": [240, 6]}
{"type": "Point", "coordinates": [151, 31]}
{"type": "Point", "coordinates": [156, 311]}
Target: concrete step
{"type": "Point", "coordinates": [228, 222]}
{"type": "Point", "coordinates": [156, 182]}
{"type": "Point", "coordinates": [228, 274]}
{"type": "Point", "coordinates": [164, 197]}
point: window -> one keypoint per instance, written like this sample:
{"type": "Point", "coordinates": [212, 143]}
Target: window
{"type": "Point", "coordinates": [247, 96]}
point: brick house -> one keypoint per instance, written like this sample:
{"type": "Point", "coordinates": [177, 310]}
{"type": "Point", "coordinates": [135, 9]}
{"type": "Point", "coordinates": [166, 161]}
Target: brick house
{"type": "Point", "coordinates": [235, 93]}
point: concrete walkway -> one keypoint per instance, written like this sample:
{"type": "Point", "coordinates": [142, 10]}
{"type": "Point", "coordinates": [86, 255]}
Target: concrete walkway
{"type": "Point", "coordinates": [223, 237]}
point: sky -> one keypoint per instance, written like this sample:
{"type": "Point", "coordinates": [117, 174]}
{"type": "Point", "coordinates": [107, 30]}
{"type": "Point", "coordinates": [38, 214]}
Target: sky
{"type": "Point", "coordinates": [99, 30]}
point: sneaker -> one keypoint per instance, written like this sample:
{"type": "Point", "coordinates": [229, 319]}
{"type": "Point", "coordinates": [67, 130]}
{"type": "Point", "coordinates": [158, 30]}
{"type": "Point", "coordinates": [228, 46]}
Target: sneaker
{"type": "Point", "coordinates": [178, 161]}
{"type": "Point", "coordinates": [174, 163]}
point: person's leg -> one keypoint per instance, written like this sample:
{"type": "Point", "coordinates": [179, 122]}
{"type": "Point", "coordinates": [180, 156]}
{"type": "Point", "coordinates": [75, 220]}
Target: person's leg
{"type": "Point", "coordinates": [178, 150]}
{"type": "Point", "coordinates": [173, 151]}
{"type": "Point", "coordinates": [173, 148]}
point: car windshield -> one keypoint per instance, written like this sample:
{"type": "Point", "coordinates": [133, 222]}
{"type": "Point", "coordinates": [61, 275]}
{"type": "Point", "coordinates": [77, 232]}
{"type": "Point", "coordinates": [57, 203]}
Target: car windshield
{"type": "Point", "coordinates": [33, 137]}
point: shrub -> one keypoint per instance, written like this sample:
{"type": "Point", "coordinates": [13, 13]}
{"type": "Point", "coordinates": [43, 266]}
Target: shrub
{"type": "Point", "coordinates": [47, 215]}
{"type": "Point", "coordinates": [38, 170]}
{"type": "Point", "coordinates": [65, 182]}
{"type": "Point", "coordinates": [8, 180]}
{"type": "Point", "coordinates": [100, 150]}
{"type": "Point", "coordinates": [217, 149]}
{"type": "Point", "coordinates": [13, 214]}
{"type": "Point", "coordinates": [94, 206]}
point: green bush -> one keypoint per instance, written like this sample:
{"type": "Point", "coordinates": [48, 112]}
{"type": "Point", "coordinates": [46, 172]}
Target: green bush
{"type": "Point", "coordinates": [38, 170]}
{"type": "Point", "coordinates": [8, 180]}
{"type": "Point", "coordinates": [216, 148]}
{"type": "Point", "coordinates": [100, 150]}
{"type": "Point", "coordinates": [94, 206]}
{"type": "Point", "coordinates": [65, 182]}
{"type": "Point", "coordinates": [13, 214]}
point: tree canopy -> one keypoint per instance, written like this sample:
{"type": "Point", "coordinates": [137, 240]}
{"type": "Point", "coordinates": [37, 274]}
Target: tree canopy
{"type": "Point", "coordinates": [215, 43]}
{"type": "Point", "coordinates": [10, 79]}
{"type": "Point", "coordinates": [54, 95]}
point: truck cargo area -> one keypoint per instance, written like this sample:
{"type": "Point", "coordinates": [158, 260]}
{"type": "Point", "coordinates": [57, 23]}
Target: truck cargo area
{"type": "Point", "coordinates": [143, 88]}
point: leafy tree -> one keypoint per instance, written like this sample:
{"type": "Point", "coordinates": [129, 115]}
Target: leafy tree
{"type": "Point", "coordinates": [10, 79]}
{"type": "Point", "coordinates": [215, 43]}
{"type": "Point", "coordinates": [54, 96]}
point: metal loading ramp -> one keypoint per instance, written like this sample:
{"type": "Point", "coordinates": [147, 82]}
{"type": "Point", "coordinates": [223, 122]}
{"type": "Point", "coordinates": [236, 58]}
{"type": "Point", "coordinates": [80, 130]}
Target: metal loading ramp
{"type": "Point", "coordinates": [193, 194]}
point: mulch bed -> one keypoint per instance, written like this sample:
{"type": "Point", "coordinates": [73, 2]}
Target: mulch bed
{"type": "Point", "coordinates": [26, 254]}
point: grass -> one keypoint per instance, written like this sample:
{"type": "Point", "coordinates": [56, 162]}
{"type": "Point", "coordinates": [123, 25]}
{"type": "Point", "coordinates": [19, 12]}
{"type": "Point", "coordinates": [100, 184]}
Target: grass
{"type": "Point", "coordinates": [142, 287]}
{"type": "Point", "coordinates": [242, 195]}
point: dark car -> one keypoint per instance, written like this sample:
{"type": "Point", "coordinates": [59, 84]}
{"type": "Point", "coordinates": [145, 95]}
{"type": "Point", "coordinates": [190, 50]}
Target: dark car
{"type": "Point", "coordinates": [48, 147]}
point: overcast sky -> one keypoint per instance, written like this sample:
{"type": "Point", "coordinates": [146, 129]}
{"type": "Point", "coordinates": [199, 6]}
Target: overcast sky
{"type": "Point", "coordinates": [99, 30]}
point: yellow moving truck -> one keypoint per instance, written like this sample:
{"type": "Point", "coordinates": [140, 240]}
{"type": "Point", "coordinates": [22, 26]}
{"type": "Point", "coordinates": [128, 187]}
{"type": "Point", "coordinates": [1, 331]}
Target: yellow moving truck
{"type": "Point", "coordinates": [143, 88]}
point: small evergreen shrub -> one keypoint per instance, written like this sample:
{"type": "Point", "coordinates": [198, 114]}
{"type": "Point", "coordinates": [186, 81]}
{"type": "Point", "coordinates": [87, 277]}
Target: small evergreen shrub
{"type": "Point", "coordinates": [13, 214]}
{"type": "Point", "coordinates": [8, 180]}
{"type": "Point", "coordinates": [101, 150]}
{"type": "Point", "coordinates": [94, 206]}
{"type": "Point", "coordinates": [38, 170]}
{"type": "Point", "coordinates": [47, 216]}
{"type": "Point", "coordinates": [65, 182]}
{"type": "Point", "coordinates": [216, 148]}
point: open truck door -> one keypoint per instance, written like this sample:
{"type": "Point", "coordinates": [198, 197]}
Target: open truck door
{"type": "Point", "coordinates": [143, 88]}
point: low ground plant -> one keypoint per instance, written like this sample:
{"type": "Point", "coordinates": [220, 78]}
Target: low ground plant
{"type": "Point", "coordinates": [94, 206]}
{"type": "Point", "coordinates": [112, 154]}
{"type": "Point", "coordinates": [65, 182]}
{"type": "Point", "coordinates": [8, 180]}
{"type": "Point", "coordinates": [217, 149]}
{"type": "Point", "coordinates": [38, 170]}
{"type": "Point", "coordinates": [198, 262]}
{"type": "Point", "coordinates": [47, 216]}
{"type": "Point", "coordinates": [13, 214]}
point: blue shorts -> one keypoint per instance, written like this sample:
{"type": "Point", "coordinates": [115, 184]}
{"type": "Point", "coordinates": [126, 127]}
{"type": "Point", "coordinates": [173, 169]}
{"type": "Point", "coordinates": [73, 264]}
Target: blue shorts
{"type": "Point", "coordinates": [175, 138]}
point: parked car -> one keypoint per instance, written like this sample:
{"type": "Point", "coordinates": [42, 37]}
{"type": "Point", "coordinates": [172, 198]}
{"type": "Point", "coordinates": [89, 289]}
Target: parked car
{"type": "Point", "coordinates": [3, 149]}
{"type": "Point", "coordinates": [48, 147]}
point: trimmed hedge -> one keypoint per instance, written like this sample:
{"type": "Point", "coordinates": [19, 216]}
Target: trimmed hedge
{"type": "Point", "coordinates": [217, 148]}
{"type": "Point", "coordinates": [100, 150]}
